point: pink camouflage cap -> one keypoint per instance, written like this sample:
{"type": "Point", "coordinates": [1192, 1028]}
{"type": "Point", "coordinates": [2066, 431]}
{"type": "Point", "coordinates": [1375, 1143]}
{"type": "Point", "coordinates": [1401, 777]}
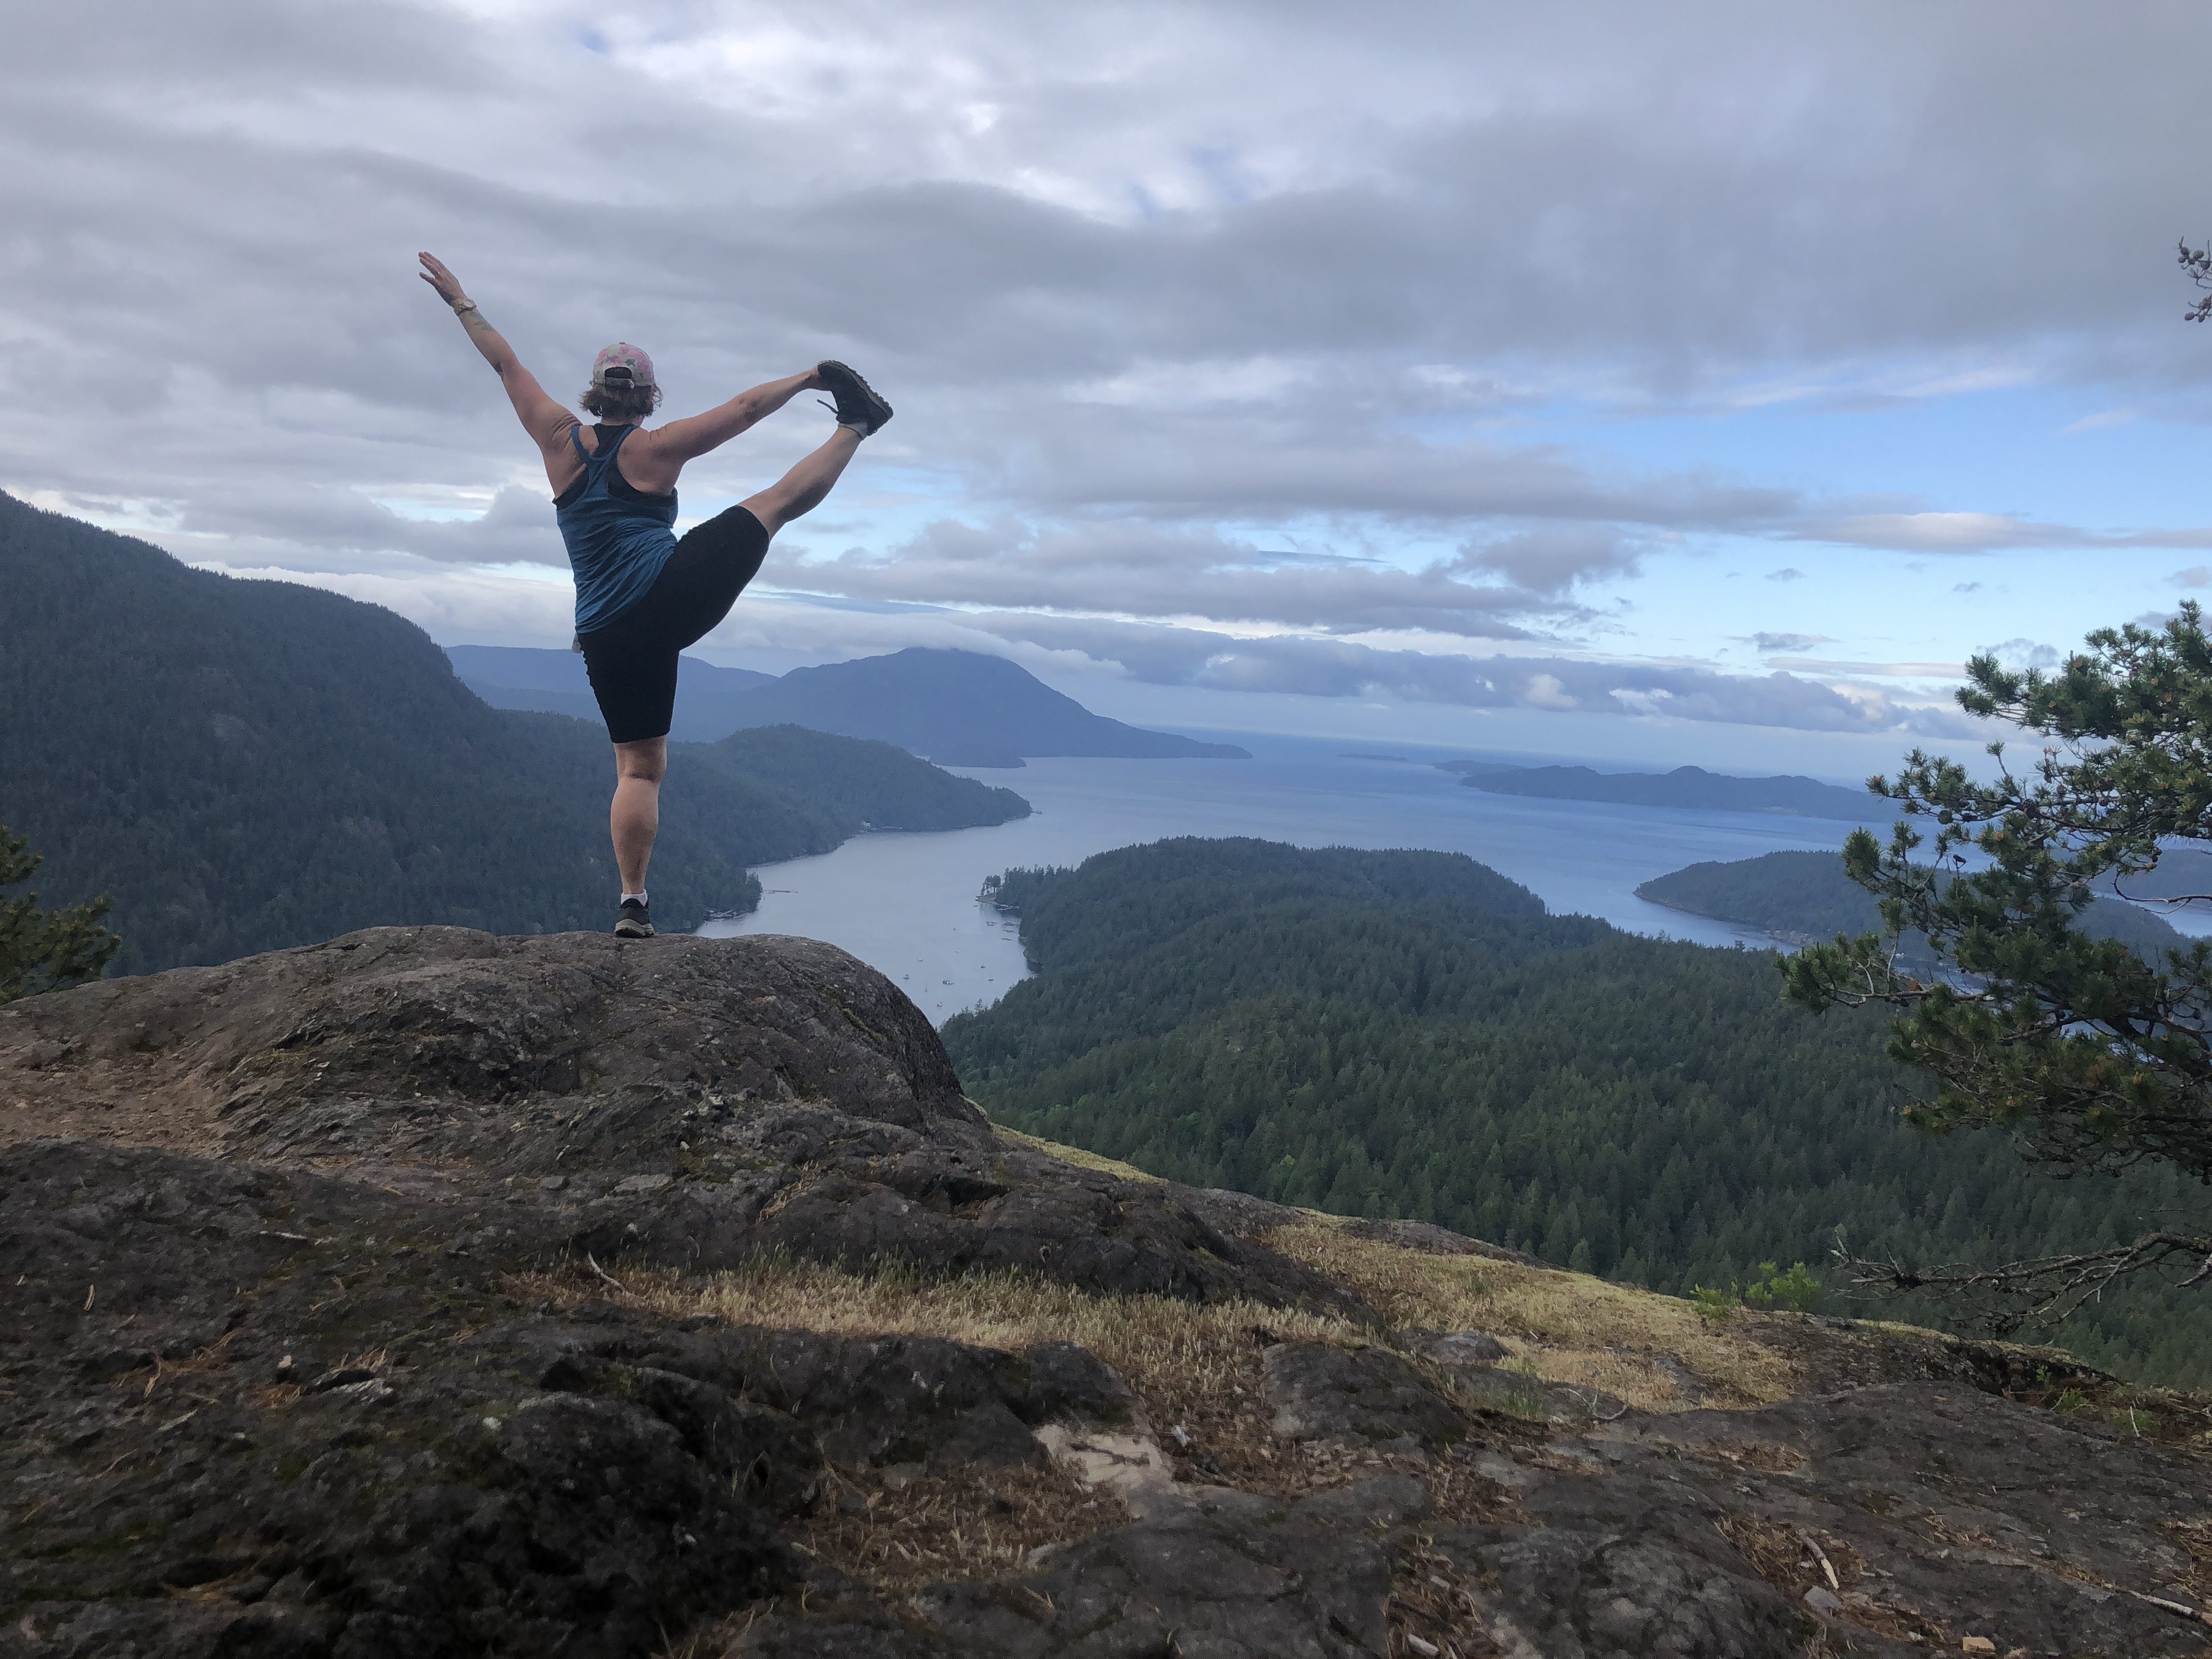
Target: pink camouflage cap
{"type": "Point", "coordinates": [623, 356]}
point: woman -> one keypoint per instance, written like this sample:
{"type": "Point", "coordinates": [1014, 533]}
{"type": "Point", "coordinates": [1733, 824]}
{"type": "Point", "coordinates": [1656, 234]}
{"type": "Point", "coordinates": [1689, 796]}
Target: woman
{"type": "Point", "coordinates": [642, 592]}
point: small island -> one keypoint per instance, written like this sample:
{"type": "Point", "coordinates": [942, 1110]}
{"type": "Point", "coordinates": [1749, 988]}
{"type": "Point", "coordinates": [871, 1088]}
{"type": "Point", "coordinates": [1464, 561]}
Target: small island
{"type": "Point", "coordinates": [1691, 787]}
{"type": "Point", "coordinates": [1797, 898]}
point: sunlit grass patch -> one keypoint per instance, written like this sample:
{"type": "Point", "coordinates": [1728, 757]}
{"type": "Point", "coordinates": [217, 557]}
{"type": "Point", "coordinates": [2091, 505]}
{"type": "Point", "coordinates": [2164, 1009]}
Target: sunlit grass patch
{"type": "Point", "coordinates": [1576, 1329]}
{"type": "Point", "coordinates": [1074, 1155]}
{"type": "Point", "coordinates": [1192, 1366]}
{"type": "Point", "coordinates": [1572, 1328]}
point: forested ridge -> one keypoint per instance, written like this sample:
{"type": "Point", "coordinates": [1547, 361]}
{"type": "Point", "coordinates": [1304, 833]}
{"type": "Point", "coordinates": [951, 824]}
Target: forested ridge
{"type": "Point", "coordinates": [1408, 1034]}
{"type": "Point", "coordinates": [859, 783]}
{"type": "Point", "coordinates": [1806, 896]}
{"type": "Point", "coordinates": [1691, 787]}
{"type": "Point", "coordinates": [248, 764]}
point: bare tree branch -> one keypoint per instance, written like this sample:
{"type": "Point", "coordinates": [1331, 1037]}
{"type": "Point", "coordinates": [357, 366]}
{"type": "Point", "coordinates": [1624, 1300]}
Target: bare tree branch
{"type": "Point", "coordinates": [2053, 1287]}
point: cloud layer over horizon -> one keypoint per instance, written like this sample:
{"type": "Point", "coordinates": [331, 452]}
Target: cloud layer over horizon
{"type": "Point", "coordinates": [1485, 357]}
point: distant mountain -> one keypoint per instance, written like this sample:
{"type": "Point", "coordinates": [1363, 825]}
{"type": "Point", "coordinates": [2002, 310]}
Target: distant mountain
{"type": "Point", "coordinates": [956, 708]}
{"type": "Point", "coordinates": [1687, 786]}
{"type": "Point", "coordinates": [252, 764]}
{"type": "Point", "coordinates": [553, 682]}
{"type": "Point", "coordinates": [1801, 896]}
{"type": "Point", "coordinates": [959, 709]}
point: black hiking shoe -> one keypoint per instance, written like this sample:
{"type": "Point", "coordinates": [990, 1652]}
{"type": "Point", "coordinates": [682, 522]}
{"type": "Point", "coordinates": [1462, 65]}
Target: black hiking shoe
{"type": "Point", "coordinates": [858, 406]}
{"type": "Point", "coordinates": [633, 921]}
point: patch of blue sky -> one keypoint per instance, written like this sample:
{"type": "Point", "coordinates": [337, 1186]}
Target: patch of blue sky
{"type": "Point", "coordinates": [2034, 451]}
{"type": "Point", "coordinates": [1880, 607]}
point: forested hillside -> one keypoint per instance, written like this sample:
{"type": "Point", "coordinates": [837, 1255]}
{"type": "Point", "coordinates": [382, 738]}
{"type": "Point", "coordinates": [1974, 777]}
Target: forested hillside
{"type": "Point", "coordinates": [1798, 896]}
{"type": "Point", "coordinates": [856, 783]}
{"type": "Point", "coordinates": [252, 764]}
{"type": "Point", "coordinates": [1689, 787]}
{"type": "Point", "coordinates": [1408, 1034]}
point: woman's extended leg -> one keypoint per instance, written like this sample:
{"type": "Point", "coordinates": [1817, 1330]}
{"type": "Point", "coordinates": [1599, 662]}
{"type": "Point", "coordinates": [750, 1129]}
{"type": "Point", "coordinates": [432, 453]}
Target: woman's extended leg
{"type": "Point", "coordinates": [801, 489]}
{"type": "Point", "coordinates": [635, 817]}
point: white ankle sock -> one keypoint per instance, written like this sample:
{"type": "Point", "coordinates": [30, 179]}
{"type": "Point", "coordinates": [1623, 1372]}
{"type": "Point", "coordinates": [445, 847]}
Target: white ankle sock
{"type": "Point", "coordinates": [639, 898]}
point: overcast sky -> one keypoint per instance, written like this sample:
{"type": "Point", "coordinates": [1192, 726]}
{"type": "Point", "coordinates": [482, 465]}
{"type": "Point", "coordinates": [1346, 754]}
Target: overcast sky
{"type": "Point", "coordinates": [1702, 382]}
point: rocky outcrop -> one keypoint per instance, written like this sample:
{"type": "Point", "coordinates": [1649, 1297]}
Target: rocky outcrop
{"type": "Point", "coordinates": [702, 1102]}
{"type": "Point", "coordinates": [353, 1305]}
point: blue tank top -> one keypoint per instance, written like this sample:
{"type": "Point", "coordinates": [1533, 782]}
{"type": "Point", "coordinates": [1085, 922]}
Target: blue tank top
{"type": "Point", "coordinates": [619, 538]}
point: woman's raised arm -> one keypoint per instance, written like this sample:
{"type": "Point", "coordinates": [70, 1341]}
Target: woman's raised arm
{"type": "Point", "coordinates": [545, 421]}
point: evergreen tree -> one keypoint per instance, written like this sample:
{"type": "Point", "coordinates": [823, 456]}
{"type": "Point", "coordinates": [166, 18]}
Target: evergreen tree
{"type": "Point", "coordinates": [46, 950]}
{"type": "Point", "coordinates": [2092, 1054]}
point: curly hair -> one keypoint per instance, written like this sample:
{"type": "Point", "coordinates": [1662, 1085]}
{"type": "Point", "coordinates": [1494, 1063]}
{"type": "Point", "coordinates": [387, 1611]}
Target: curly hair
{"type": "Point", "coordinates": [618, 404]}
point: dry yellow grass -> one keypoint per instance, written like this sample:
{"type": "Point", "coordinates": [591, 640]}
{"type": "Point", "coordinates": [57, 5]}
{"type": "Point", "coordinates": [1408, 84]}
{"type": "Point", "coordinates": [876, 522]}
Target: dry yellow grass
{"type": "Point", "coordinates": [965, 1523]}
{"type": "Point", "coordinates": [1074, 1155]}
{"type": "Point", "coordinates": [1569, 1328]}
{"type": "Point", "coordinates": [1190, 1363]}
{"type": "Point", "coordinates": [1193, 1367]}
{"type": "Point", "coordinates": [1197, 1364]}
{"type": "Point", "coordinates": [1572, 1328]}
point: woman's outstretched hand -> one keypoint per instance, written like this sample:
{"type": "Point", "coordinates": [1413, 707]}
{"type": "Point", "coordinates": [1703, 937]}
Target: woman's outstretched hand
{"type": "Point", "coordinates": [447, 285]}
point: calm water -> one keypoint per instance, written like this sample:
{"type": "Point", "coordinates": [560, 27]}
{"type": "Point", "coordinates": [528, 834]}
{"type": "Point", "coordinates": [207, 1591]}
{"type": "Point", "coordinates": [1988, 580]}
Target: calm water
{"type": "Point", "coordinates": [906, 903]}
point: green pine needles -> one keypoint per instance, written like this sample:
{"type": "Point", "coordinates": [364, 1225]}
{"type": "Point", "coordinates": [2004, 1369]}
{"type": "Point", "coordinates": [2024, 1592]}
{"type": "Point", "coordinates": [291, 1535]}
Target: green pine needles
{"type": "Point", "coordinates": [46, 950]}
{"type": "Point", "coordinates": [2093, 1056]}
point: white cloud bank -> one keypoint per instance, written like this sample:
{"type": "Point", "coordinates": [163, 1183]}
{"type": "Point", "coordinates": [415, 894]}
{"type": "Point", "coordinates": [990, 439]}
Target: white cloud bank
{"type": "Point", "coordinates": [1225, 336]}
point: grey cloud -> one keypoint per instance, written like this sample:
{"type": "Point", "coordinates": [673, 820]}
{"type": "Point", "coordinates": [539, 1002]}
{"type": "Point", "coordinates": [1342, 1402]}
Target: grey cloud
{"type": "Point", "coordinates": [1142, 570]}
{"type": "Point", "coordinates": [1887, 671]}
{"type": "Point", "coordinates": [1978, 532]}
{"type": "Point", "coordinates": [1553, 557]}
{"type": "Point", "coordinates": [1503, 219]}
{"type": "Point", "coordinates": [516, 529]}
{"type": "Point", "coordinates": [1181, 463]}
{"type": "Point", "coordinates": [1945, 722]}
{"type": "Point", "coordinates": [1791, 574]}
{"type": "Point", "coordinates": [2024, 653]}
{"type": "Point", "coordinates": [1428, 216]}
{"type": "Point", "coordinates": [240, 48]}
{"type": "Point", "coordinates": [1769, 642]}
{"type": "Point", "coordinates": [1332, 668]}
{"type": "Point", "coordinates": [1002, 213]}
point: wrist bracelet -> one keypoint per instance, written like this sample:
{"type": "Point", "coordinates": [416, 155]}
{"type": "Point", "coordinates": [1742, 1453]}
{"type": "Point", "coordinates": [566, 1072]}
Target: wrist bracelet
{"type": "Point", "coordinates": [470, 305]}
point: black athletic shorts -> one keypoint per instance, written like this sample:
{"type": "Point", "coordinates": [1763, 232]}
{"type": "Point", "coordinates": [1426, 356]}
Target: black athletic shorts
{"type": "Point", "coordinates": [632, 660]}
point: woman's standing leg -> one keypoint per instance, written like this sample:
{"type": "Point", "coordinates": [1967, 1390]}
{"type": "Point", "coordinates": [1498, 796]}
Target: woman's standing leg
{"type": "Point", "coordinates": [633, 819]}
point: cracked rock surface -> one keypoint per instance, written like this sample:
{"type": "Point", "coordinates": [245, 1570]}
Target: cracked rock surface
{"type": "Point", "coordinates": [273, 1381]}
